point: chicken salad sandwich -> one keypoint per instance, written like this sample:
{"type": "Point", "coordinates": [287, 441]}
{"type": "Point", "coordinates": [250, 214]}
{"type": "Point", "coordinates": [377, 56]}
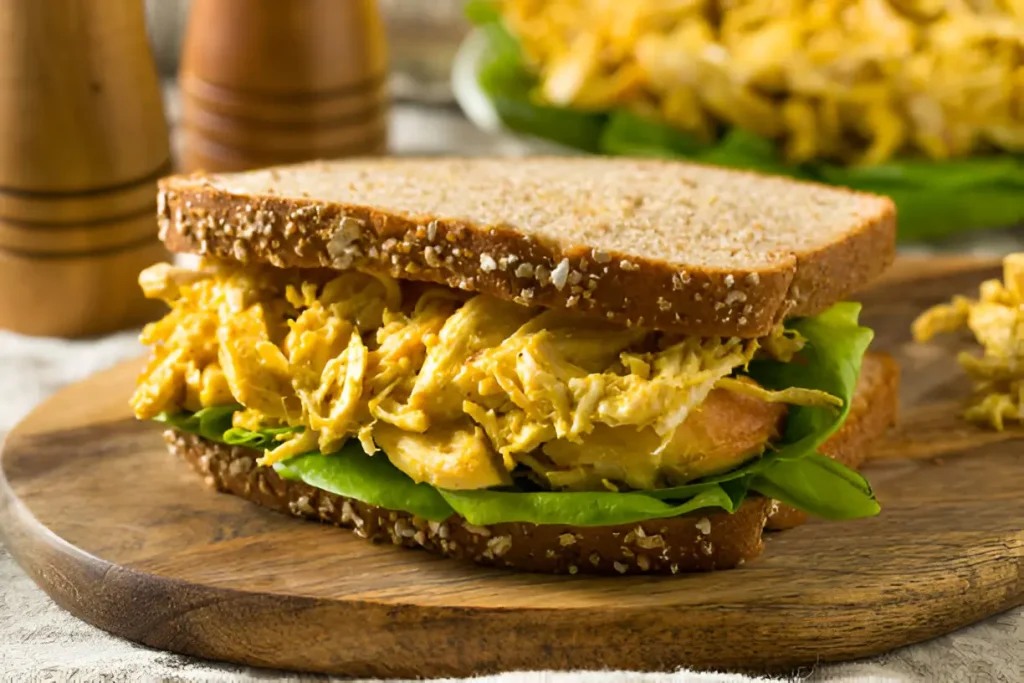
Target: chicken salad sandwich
{"type": "Point", "coordinates": [554, 364]}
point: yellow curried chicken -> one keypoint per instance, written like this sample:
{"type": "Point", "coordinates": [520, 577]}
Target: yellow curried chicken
{"type": "Point", "coordinates": [852, 80]}
{"type": "Point", "coordinates": [997, 321]}
{"type": "Point", "coordinates": [457, 389]}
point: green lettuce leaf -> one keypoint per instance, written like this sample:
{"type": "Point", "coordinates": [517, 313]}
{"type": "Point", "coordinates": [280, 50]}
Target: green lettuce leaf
{"type": "Point", "coordinates": [796, 474]}
{"type": "Point", "coordinates": [374, 480]}
{"type": "Point", "coordinates": [371, 479]}
{"type": "Point", "coordinates": [214, 424]}
{"type": "Point", "coordinates": [819, 484]}
{"type": "Point", "coordinates": [959, 174]}
{"type": "Point", "coordinates": [263, 440]}
{"type": "Point", "coordinates": [830, 362]}
{"type": "Point", "coordinates": [209, 423]}
{"type": "Point", "coordinates": [628, 134]}
{"type": "Point", "coordinates": [744, 150]}
{"type": "Point", "coordinates": [601, 508]}
{"type": "Point", "coordinates": [934, 199]}
{"type": "Point", "coordinates": [482, 11]}
{"type": "Point", "coordinates": [793, 472]}
{"type": "Point", "coordinates": [509, 84]}
{"type": "Point", "coordinates": [929, 212]}
{"type": "Point", "coordinates": [349, 472]}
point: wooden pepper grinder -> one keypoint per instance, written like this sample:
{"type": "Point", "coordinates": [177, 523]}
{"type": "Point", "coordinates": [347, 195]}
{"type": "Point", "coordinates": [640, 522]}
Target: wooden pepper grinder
{"type": "Point", "coordinates": [265, 82]}
{"type": "Point", "coordinates": [84, 140]}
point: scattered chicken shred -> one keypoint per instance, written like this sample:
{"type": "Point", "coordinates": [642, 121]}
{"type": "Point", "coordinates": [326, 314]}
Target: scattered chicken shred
{"type": "Point", "coordinates": [997, 320]}
{"type": "Point", "coordinates": [457, 389]}
{"type": "Point", "coordinates": [851, 80]}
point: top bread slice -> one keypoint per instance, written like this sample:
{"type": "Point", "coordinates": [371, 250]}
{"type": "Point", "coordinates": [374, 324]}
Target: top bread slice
{"type": "Point", "coordinates": [659, 244]}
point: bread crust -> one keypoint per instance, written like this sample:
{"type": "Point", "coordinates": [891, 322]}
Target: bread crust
{"type": "Point", "coordinates": [196, 215]}
{"type": "Point", "coordinates": [697, 542]}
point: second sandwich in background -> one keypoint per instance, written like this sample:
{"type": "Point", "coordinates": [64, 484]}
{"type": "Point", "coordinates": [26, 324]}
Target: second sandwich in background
{"type": "Point", "coordinates": [570, 365]}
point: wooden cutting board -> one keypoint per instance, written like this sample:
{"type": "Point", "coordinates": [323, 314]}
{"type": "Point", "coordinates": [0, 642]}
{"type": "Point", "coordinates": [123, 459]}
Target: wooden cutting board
{"type": "Point", "coordinates": [125, 537]}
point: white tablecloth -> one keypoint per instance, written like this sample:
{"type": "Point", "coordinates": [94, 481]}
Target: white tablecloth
{"type": "Point", "coordinates": [39, 641]}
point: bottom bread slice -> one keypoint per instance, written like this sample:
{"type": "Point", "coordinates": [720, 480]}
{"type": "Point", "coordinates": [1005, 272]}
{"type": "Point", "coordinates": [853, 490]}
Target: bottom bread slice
{"type": "Point", "coordinates": [702, 541]}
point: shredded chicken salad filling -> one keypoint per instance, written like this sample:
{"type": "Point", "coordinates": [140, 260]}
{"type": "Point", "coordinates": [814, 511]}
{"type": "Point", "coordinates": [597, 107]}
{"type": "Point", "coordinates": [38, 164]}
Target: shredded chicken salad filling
{"type": "Point", "coordinates": [458, 390]}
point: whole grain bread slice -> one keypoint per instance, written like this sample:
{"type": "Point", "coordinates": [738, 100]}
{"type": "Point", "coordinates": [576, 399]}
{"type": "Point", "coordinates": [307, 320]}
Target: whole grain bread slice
{"type": "Point", "coordinates": [666, 245]}
{"type": "Point", "coordinates": [702, 541]}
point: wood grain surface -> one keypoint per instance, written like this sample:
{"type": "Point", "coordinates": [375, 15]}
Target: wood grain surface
{"type": "Point", "coordinates": [127, 538]}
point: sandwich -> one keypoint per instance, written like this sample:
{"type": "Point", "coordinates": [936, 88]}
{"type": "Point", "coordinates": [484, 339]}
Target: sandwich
{"type": "Point", "coordinates": [571, 365]}
{"type": "Point", "coordinates": [929, 116]}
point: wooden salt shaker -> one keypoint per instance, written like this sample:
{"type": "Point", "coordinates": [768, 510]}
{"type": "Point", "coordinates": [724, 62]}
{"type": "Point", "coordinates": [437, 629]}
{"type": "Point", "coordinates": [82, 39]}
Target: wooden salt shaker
{"type": "Point", "coordinates": [84, 140]}
{"type": "Point", "coordinates": [265, 82]}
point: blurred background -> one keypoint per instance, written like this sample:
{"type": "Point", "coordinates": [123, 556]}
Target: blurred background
{"type": "Point", "coordinates": [921, 100]}
{"type": "Point", "coordinates": [423, 36]}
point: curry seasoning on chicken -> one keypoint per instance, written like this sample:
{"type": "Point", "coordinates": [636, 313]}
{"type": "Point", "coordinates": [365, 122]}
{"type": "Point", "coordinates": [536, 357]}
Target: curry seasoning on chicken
{"type": "Point", "coordinates": [458, 390]}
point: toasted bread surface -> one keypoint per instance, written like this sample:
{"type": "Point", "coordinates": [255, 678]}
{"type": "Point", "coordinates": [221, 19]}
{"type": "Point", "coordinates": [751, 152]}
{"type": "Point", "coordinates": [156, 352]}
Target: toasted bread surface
{"type": "Point", "coordinates": [667, 245]}
{"type": "Point", "coordinates": [702, 541]}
